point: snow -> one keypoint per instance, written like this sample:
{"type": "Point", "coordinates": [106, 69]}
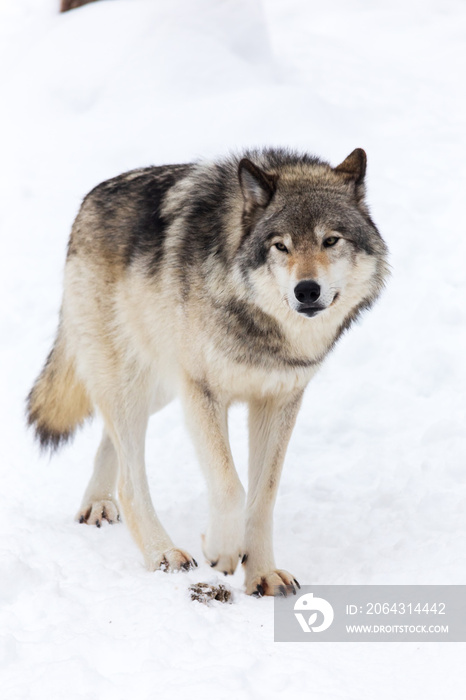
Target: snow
{"type": "Point", "coordinates": [374, 487]}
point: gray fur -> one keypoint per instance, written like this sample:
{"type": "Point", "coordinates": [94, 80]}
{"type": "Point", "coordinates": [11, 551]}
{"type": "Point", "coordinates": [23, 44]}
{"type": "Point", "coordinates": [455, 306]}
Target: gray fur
{"type": "Point", "coordinates": [181, 279]}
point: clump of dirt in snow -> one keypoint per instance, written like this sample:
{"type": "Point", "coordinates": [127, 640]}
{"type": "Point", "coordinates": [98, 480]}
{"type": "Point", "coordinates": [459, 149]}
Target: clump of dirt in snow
{"type": "Point", "coordinates": [205, 592]}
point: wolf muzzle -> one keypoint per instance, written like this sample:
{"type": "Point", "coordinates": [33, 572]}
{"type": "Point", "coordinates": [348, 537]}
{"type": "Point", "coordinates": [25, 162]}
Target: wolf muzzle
{"type": "Point", "coordinates": [307, 293]}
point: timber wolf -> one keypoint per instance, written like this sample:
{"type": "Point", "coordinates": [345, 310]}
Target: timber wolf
{"type": "Point", "coordinates": [216, 282]}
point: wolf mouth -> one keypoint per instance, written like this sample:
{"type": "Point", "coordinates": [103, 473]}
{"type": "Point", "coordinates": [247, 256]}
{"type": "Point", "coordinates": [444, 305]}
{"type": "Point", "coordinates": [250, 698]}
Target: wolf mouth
{"type": "Point", "coordinates": [311, 311]}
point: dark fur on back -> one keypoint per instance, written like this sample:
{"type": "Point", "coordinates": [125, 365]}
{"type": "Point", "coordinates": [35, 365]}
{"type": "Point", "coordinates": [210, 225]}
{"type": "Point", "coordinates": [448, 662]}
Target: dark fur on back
{"type": "Point", "coordinates": [128, 222]}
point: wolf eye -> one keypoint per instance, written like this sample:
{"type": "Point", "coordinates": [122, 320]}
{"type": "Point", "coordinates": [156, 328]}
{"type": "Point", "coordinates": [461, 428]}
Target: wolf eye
{"type": "Point", "coordinates": [281, 247]}
{"type": "Point", "coordinates": [330, 241]}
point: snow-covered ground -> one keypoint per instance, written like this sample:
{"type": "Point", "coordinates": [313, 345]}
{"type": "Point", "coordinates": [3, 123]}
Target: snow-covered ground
{"type": "Point", "coordinates": [374, 485]}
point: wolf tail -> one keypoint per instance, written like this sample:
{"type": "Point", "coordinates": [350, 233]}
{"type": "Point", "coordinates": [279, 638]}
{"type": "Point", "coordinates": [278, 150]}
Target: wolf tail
{"type": "Point", "coordinates": [58, 402]}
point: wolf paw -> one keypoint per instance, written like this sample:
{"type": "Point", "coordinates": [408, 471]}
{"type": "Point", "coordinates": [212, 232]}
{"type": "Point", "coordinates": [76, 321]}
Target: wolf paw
{"type": "Point", "coordinates": [97, 511]}
{"type": "Point", "coordinates": [174, 560]}
{"type": "Point", "coordinates": [223, 542]}
{"type": "Point", "coordinates": [224, 557]}
{"type": "Point", "coordinates": [278, 583]}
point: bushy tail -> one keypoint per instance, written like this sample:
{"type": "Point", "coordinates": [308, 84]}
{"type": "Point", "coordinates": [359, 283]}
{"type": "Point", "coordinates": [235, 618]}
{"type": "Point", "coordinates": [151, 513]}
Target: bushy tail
{"type": "Point", "coordinates": [58, 402]}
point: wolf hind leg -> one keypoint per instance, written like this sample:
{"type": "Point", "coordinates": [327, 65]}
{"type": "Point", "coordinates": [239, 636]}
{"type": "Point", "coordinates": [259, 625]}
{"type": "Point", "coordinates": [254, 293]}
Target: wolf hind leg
{"type": "Point", "coordinates": [99, 501]}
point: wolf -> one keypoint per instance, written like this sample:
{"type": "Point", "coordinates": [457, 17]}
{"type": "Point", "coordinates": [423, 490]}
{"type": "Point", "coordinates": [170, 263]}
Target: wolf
{"type": "Point", "coordinates": [217, 282]}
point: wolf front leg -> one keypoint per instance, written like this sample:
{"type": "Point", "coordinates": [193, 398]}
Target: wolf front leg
{"type": "Point", "coordinates": [206, 417]}
{"type": "Point", "coordinates": [271, 422]}
{"type": "Point", "coordinates": [126, 424]}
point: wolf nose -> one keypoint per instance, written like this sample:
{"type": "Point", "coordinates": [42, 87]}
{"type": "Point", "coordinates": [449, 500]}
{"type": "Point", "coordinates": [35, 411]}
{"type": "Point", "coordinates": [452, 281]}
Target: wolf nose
{"type": "Point", "coordinates": [307, 292]}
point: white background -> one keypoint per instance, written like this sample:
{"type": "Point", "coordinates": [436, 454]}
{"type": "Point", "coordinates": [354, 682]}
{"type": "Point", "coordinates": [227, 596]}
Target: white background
{"type": "Point", "coordinates": [374, 485]}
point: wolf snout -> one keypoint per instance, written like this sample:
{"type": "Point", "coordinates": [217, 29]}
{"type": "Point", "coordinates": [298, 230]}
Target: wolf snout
{"type": "Point", "coordinates": [307, 291]}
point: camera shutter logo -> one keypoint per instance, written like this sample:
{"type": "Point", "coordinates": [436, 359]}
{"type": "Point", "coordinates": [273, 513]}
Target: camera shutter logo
{"type": "Point", "coordinates": [312, 606]}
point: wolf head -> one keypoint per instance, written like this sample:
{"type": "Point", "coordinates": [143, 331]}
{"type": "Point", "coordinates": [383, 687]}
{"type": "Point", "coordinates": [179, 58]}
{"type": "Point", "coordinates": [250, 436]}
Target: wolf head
{"type": "Point", "coordinates": [308, 242]}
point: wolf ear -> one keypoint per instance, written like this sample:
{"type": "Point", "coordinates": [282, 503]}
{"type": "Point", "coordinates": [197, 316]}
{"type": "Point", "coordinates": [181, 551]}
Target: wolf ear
{"type": "Point", "coordinates": [353, 167]}
{"type": "Point", "coordinates": [257, 186]}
